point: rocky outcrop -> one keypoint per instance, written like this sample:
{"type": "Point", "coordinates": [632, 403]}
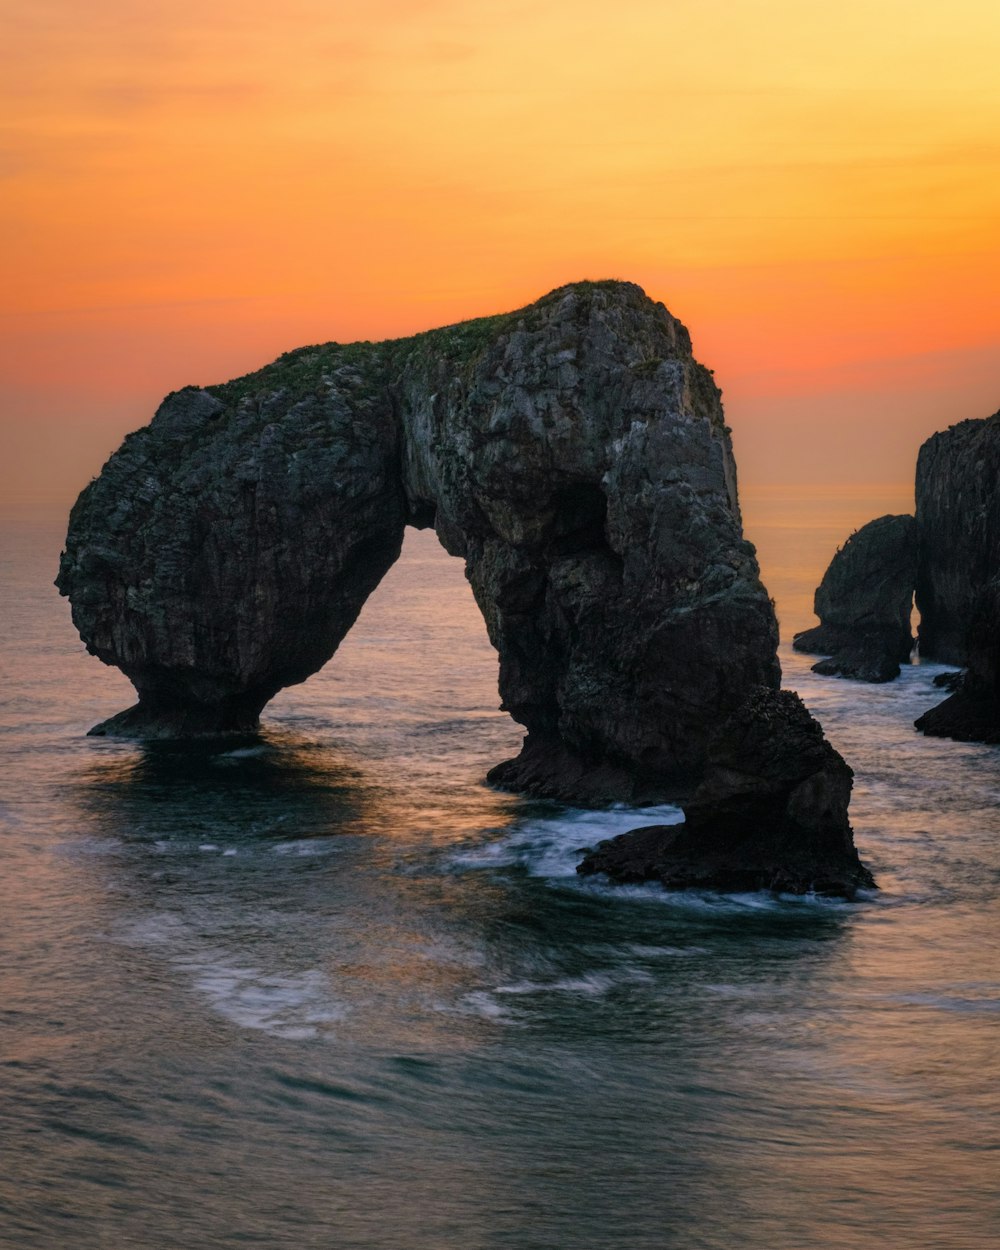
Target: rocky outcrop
{"type": "Point", "coordinates": [957, 584]}
{"type": "Point", "coordinates": [574, 454]}
{"type": "Point", "coordinates": [958, 579]}
{"type": "Point", "coordinates": [228, 547]}
{"type": "Point", "coordinates": [771, 814]}
{"type": "Point", "coordinates": [958, 523]}
{"type": "Point", "coordinates": [864, 603]}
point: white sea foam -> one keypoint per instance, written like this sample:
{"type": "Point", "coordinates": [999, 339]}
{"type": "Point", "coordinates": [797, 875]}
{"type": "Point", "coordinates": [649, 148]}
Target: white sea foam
{"type": "Point", "coordinates": [293, 1005]}
{"type": "Point", "coordinates": [304, 846]}
{"type": "Point", "coordinates": [550, 846]}
{"type": "Point", "coordinates": [482, 1003]}
{"type": "Point", "coordinates": [588, 984]}
{"type": "Point", "coordinates": [240, 753]}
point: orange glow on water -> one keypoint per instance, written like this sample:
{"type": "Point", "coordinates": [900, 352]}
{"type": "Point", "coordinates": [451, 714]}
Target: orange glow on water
{"type": "Point", "coordinates": [191, 189]}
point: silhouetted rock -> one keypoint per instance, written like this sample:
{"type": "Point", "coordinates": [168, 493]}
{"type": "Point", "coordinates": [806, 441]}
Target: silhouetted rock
{"type": "Point", "coordinates": [864, 603]}
{"type": "Point", "coordinates": [958, 518]}
{"type": "Point", "coordinates": [771, 813]}
{"type": "Point", "coordinates": [573, 453]}
{"type": "Point", "coordinates": [972, 712]}
{"type": "Point", "coordinates": [958, 523]}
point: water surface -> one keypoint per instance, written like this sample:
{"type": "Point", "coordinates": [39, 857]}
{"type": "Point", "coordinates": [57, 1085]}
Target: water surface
{"type": "Point", "coordinates": [322, 988]}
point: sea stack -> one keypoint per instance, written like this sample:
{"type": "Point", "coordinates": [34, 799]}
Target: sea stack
{"type": "Point", "coordinates": [864, 603]}
{"type": "Point", "coordinates": [770, 814]}
{"type": "Point", "coordinates": [958, 577]}
{"type": "Point", "coordinates": [574, 454]}
{"type": "Point", "coordinates": [949, 553]}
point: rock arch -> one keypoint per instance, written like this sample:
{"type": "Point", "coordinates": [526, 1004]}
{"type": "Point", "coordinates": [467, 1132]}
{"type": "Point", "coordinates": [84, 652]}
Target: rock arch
{"type": "Point", "coordinates": [573, 453]}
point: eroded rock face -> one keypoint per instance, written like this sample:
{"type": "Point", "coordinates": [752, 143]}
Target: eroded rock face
{"type": "Point", "coordinates": [958, 581]}
{"type": "Point", "coordinates": [958, 520]}
{"type": "Point", "coordinates": [972, 712]}
{"type": "Point", "coordinates": [771, 813]}
{"type": "Point", "coordinates": [583, 470]}
{"type": "Point", "coordinates": [573, 453]}
{"type": "Point", "coordinates": [227, 548]}
{"type": "Point", "coordinates": [864, 603]}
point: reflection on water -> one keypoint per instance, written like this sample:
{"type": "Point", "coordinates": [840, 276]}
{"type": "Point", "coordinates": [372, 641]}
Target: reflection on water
{"type": "Point", "coordinates": [321, 987]}
{"type": "Point", "coordinates": [259, 786]}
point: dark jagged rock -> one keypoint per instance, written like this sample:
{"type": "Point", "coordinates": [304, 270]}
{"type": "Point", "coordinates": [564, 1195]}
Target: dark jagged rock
{"type": "Point", "coordinates": [972, 712]}
{"type": "Point", "coordinates": [864, 603]}
{"type": "Point", "coordinates": [226, 549]}
{"type": "Point", "coordinates": [958, 580]}
{"type": "Point", "coordinates": [958, 523]}
{"type": "Point", "coordinates": [573, 453]}
{"type": "Point", "coordinates": [771, 813]}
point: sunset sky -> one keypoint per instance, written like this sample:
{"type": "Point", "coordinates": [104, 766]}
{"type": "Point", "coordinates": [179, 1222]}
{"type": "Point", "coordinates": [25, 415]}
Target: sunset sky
{"type": "Point", "coordinates": [191, 188]}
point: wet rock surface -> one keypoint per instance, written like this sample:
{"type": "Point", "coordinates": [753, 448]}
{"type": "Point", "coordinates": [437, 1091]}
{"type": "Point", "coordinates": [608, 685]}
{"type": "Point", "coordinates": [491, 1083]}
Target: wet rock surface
{"type": "Point", "coordinates": [574, 454]}
{"type": "Point", "coordinates": [771, 813]}
{"type": "Point", "coordinates": [864, 603]}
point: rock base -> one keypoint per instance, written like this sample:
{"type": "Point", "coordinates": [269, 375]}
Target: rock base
{"type": "Point", "coordinates": [679, 860]}
{"type": "Point", "coordinates": [864, 603]}
{"type": "Point", "coordinates": [547, 769]}
{"type": "Point", "coordinates": [159, 722]}
{"type": "Point", "coordinates": [967, 716]}
{"type": "Point", "coordinates": [874, 657]}
{"type": "Point", "coordinates": [771, 814]}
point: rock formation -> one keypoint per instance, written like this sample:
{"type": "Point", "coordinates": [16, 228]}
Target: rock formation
{"type": "Point", "coordinates": [958, 578]}
{"type": "Point", "coordinates": [574, 454]}
{"type": "Point", "coordinates": [955, 541]}
{"type": "Point", "coordinates": [958, 525]}
{"type": "Point", "coordinates": [864, 603]}
{"type": "Point", "coordinates": [771, 813]}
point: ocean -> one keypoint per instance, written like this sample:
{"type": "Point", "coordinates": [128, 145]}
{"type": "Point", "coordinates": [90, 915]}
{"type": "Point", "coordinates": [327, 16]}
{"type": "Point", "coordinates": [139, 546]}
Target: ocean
{"type": "Point", "coordinates": [322, 988]}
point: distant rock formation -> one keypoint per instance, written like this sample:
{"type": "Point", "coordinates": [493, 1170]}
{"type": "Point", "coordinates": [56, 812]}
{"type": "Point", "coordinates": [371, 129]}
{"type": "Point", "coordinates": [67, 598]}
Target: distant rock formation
{"type": "Point", "coordinates": [864, 603]}
{"type": "Point", "coordinates": [771, 813]}
{"type": "Point", "coordinates": [574, 454]}
{"type": "Point", "coordinates": [955, 540]}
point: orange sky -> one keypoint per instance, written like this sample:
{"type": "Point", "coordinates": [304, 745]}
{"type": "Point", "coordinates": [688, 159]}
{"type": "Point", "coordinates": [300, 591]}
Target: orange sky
{"type": "Point", "coordinates": [191, 188]}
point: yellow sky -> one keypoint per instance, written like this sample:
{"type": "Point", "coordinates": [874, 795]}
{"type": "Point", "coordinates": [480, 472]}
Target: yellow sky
{"type": "Point", "coordinates": [190, 188]}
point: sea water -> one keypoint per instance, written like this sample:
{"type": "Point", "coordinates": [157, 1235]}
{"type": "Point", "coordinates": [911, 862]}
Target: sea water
{"type": "Point", "coordinates": [323, 988]}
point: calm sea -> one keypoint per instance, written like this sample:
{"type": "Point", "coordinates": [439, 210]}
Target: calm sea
{"type": "Point", "coordinates": [324, 989]}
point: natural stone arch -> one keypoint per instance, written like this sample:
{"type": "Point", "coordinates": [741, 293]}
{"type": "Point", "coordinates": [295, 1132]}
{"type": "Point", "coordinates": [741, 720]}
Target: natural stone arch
{"type": "Point", "coordinates": [573, 453]}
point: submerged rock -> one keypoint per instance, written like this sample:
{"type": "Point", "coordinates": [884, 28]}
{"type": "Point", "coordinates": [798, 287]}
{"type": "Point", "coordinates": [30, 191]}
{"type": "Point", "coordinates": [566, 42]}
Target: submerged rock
{"type": "Point", "coordinates": [770, 814]}
{"type": "Point", "coordinates": [864, 603]}
{"type": "Point", "coordinates": [574, 454]}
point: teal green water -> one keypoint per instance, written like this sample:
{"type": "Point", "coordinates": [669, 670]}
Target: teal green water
{"type": "Point", "coordinates": [324, 989]}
